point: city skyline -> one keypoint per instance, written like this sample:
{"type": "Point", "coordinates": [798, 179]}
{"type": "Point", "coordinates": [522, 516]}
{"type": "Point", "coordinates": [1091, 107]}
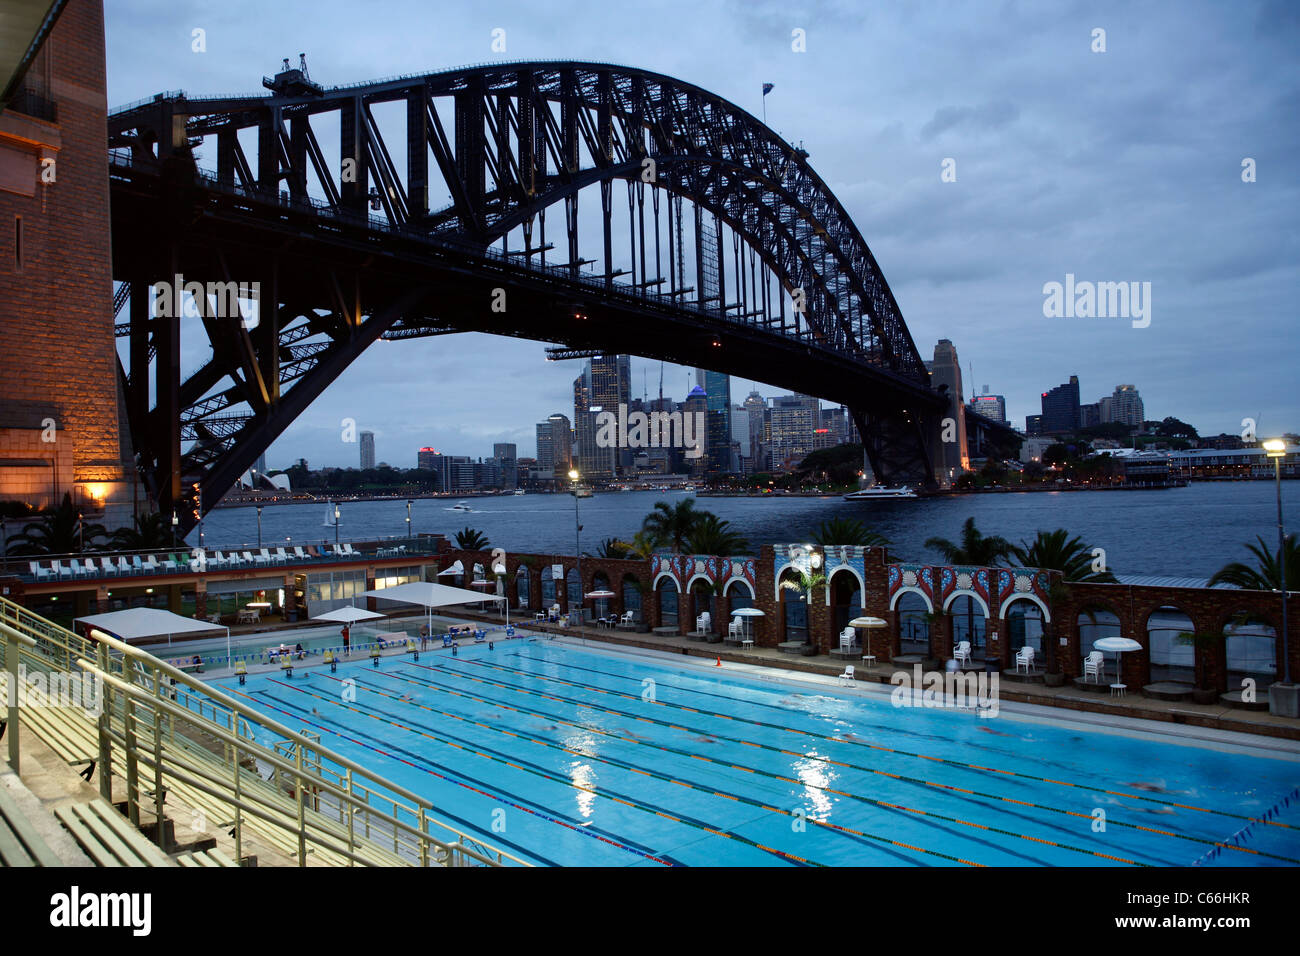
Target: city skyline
{"type": "Point", "coordinates": [1104, 166]}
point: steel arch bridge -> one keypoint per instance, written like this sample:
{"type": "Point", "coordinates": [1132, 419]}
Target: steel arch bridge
{"type": "Point", "coordinates": [730, 252]}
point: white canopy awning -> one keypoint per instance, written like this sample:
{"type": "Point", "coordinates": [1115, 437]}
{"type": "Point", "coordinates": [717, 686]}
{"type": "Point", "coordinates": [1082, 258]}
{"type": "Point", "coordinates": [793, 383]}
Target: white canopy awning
{"type": "Point", "coordinates": [347, 614]}
{"type": "Point", "coordinates": [430, 595]}
{"type": "Point", "coordinates": [140, 622]}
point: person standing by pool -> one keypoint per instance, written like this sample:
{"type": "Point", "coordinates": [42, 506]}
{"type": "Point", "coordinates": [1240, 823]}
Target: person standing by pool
{"type": "Point", "coordinates": [347, 634]}
{"type": "Point", "coordinates": [424, 636]}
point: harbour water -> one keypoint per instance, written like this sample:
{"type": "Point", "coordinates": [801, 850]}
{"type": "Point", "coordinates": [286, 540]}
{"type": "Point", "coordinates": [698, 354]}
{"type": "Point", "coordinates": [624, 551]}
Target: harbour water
{"type": "Point", "coordinates": [1189, 532]}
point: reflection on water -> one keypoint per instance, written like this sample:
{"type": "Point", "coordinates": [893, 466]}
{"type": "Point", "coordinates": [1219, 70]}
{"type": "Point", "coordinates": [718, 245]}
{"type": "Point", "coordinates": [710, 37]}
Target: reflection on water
{"type": "Point", "coordinates": [1187, 531]}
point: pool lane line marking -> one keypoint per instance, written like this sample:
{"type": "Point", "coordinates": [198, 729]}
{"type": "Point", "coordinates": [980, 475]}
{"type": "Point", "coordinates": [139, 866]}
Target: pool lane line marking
{"type": "Point", "coordinates": [792, 753]}
{"type": "Point", "coordinates": [538, 771]}
{"type": "Point", "coordinates": [857, 743]}
{"type": "Point", "coordinates": [265, 702]}
{"type": "Point", "coordinates": [770, 775]}
{"type": "Point", "coordinates": [659, 776]}
{"type": "Point", "coordinates": [623, 765]}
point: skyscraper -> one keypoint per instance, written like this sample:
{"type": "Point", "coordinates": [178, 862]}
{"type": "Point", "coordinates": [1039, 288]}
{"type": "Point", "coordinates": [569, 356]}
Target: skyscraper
{"type": "Point", "coordinates": [992, 407]}
{"type": "Point", "coordinates": [554, 444]}
{"type": "Point", "coordinates": [367, 450]}
{"type": "Point", "coordinates": [506, 458]}
{"type": "Point", "coordinates": [717, 392]}
{"type": "Point", "coordinates": [756, 407]}
{"type": "Point", "coordinates": [945, 374]}
{"type": "Point", "coordinates": [1061, 408]}
{"type": "Point", "coordinates": [793, 420]}
{"type": "Point", "coordinates": [1124, 406]}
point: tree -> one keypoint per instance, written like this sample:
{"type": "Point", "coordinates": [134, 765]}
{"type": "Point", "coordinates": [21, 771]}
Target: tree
{"type": "Point", "coordinates": [613, 548]}
{"type": "Point", "coordinates": [58, 530]}
{"type": "Point", "coordinates": [1266, 573]}
{"type": "Point", "coordinates": [974, 549]}
{"type": "Point", "coordinates": [839, 465]}
{"type": "Point", "coordinates": [712, 536]}
{"type": "Point", "coordinates": [471, 539]}
{"type": "Point", "coordinates": [670, 525]}
{"type": "Point", "coordinates": [149, 531]}
{"type": "Point", "coordinates": [1057, 551]}
{"type": "Point", "coordinates": [641, 546]}
{"type": "Point", "coordinates": [849, 531]}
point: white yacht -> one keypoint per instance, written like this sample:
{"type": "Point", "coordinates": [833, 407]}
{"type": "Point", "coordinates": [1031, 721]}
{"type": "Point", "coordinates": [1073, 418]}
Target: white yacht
{"type": "Point", "coordinates": [461, 506]}
{"type": "Point", "coordinates": [866, 494]}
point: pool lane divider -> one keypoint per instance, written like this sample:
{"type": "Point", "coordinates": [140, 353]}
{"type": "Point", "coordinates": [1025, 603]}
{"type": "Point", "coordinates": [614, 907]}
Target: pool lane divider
{"type": "Point", "coordinates": [633, 768]}
{"type": "Point", "coordinates": [765, 773]}
{"type": "Point", "coordinates": [857, 743]}
{"type": "Point", "coordinates": [538, 771]}
{"type": "Point", "coordinates": [264, 702]}
{"type": "Point", "coordinates": [657, 811]}
{"type": "Point", "coordinates": [794, 753]}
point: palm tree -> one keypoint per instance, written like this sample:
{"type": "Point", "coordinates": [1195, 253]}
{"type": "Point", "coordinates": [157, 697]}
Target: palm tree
{"type": "Point", "coordinates": [806, 583]}
{"type": "Point", "coordinates": [1057, 551]}
{"type": "Point", "coordinates": [1266, 574]}
{"type": "Point", "coordinates": [641, 546]}
{"type": "Point", "coordinates": [612, 548]}
{"type": "Point", "coordinates": [58, 530]}
{"type": "Point", "coordinates": [713, 536]}
{"type": "Point", "coordinates": [975, 549]}
{"type": "Point", "coordinates": [150, 531]}
{"type": "Point", "coordinates": [671, 524]}
{"type": "Point", "coordinates": [847, 531]}
{"type": "Point", "coordinates": [471, 539]}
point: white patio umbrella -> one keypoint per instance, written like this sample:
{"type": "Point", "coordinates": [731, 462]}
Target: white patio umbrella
{"type": "Point", "coordinates": [602, 596]}
{"type": "Point", "coordinates": [347, 615]}
{"type": "Point", "coordinates": [429, 596]}
{"type": "Point", "coordinates": [1119, 645]}
{"type": "Point", "coordinates": [747, 613]}
{"type": "Point", "coordinates": [868, 622]}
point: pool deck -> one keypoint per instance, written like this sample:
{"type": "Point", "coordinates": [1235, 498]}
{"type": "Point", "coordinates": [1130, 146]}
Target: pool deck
{"type": "Point", "coordinates": [1211, 718]}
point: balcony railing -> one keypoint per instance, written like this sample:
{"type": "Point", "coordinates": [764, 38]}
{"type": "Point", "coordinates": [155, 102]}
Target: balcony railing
{"type": "Point", "coordinates": [30, 103]}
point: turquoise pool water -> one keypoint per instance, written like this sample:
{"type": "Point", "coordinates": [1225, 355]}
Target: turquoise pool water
{"type": "Point", "coordinates": [580, 757]}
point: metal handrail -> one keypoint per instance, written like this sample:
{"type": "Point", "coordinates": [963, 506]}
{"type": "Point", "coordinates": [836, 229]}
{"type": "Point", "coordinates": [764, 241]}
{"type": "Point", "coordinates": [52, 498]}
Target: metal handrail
{"type": "Point", "coordinates": [145, 699]}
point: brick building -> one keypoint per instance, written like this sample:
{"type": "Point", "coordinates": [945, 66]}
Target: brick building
{"type": "Point", "coordinates": [62, 428]}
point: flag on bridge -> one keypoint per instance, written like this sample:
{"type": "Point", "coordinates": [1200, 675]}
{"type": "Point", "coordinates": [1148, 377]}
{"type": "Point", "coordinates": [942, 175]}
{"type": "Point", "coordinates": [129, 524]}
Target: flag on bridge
{"type": "Point", "coordinates": [767, 88]}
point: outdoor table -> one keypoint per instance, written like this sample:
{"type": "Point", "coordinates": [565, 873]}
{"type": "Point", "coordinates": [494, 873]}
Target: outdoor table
{"type": "Point", "coordinates": [1118, 690]}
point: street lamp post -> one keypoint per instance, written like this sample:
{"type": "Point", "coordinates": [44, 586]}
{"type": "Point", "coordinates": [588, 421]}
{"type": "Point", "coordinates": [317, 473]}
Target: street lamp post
{"type": "Point", "coordinates": [408, 519]}
{"type": "Point", "coordinates": [577, 537]}
{"type": "Point", "coordinates": [1276, 449]}
{"type": "Point", "coordinates": [259, 527]}
{"type": "Point", "coordinates": [337, 516]}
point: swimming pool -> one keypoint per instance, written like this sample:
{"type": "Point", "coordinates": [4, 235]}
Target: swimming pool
{"type": "Point", "coordinates": [574, 756]}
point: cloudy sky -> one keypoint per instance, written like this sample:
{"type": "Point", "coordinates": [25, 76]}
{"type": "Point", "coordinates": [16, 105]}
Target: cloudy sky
{"type": "Point", "coordinates": [1117, 166]}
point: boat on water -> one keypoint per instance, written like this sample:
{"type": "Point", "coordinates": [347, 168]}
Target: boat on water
{"type": "Point", "coordinates": [688, 488]}
{"type": "Point", "coordinates": [520, 491]}
{"type": "Point", "coordinates": [581, 492]}
{"type": "Point", "coordinates": [868, 494]}
{"type": "Point", "coordinates": [461, 506]}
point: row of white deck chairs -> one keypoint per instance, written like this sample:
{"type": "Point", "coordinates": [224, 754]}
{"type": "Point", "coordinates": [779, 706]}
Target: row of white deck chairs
{"type": "Point", "coordinates": [168, 563]}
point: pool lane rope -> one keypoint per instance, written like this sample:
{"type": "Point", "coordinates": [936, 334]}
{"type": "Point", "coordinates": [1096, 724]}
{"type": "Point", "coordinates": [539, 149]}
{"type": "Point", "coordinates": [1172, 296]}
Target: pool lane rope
{"type": "Point", "coordinates": [764, 773]}
{"type": "Point", "coordinates": [594, 791]}
{"type": "Point", "coordinates": [858, 743]}
{"type": "Point", "coordinates": [794, 753]}
{"type": "Point", "coordinates": [263, 702]}
{"type": "Point", "coordinates": [598, 791]}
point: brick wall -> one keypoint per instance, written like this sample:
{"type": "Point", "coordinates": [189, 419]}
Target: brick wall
{"type": "Point", "coordinates": [56, 335]}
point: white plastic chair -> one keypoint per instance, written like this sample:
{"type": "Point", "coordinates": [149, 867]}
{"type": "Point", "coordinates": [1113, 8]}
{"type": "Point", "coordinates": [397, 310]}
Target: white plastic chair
{"type": "Point", "coordinates": [122, 566]}
{"type": "Point", "coordinates": [281, 555]}
{"type": "Point", "coordinates": [961, 652]}
{"type": "Point", "coordinates": [299, 553]}
{"type": "Point", "coordinates": [248, 558]}
{"type": "Point", "coordinates": [1094, 666]}
{"type": "Point", "coordinates": [39, 572]}
{"type": "Point", "coordinates": [108, 566]}
{"type": "Point", "coordinates": [136, 564]}
{"type": "Point", "coordinates": [1025, 659]}
{"type": "Point", "coordinates": [151, 564]}
{"type": "Point", "coordinates": [848, 673]}
{"type": "Point", "coordinates": [846, 639]}
{"type": "Point", "coordinates": [89, 568]}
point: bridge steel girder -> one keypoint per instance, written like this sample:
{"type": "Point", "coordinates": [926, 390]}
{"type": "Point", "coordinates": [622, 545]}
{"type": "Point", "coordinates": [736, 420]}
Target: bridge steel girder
{"type": "Point", "coordinates": [510, 122]}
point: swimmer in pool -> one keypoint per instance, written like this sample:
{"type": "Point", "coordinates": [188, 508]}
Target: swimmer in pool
{"type": "Point", "coordinates": [990, 730]}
